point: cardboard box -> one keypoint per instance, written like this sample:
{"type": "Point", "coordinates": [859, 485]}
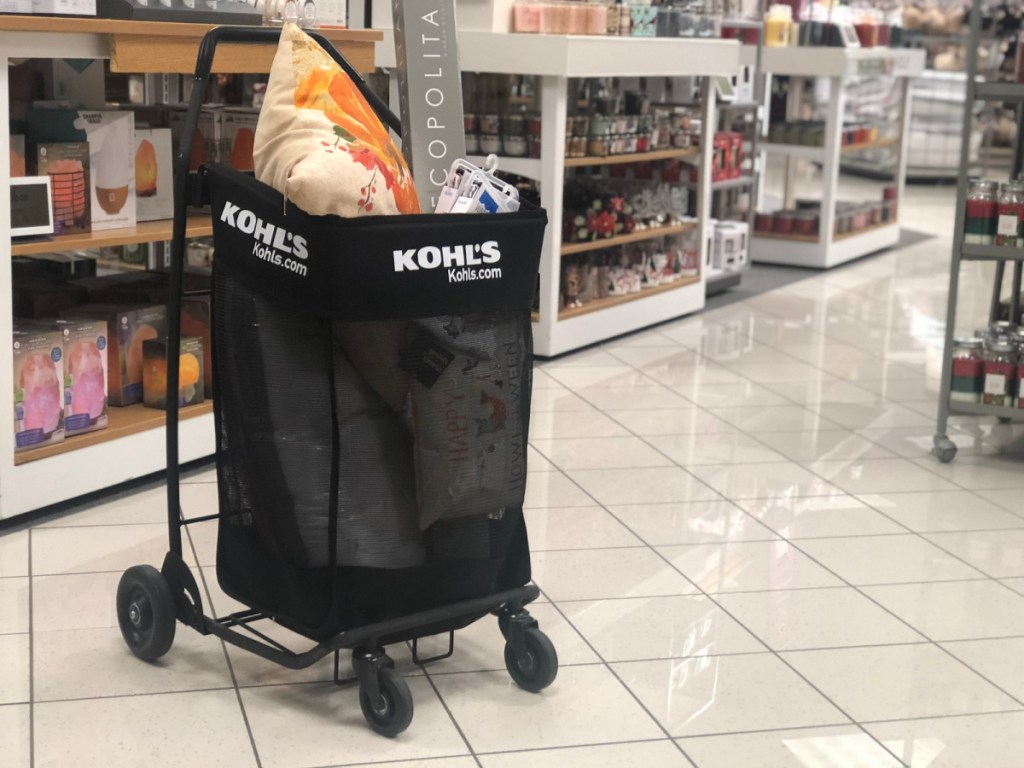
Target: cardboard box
{"type": "Point", "coordinates": [238, 128]}
{"type": "Point", "coordinates": [38, 387]}
{"type": "Point", "coordinates": [154, 188]}
{"type": "Point", "coordinates": [65, 7]}
{"type": "Point", "coordinates": [207, 142]}
{"type": "Point", "coordinates": [67, 165]}
{"type": "Point", "coordinates": [112, 169]}
{"type": "Point", "coordinates": [79, 82]}
{"type": "Point", "coordinates": [129, 327]}
{"type": "Point", "coordinates": [190, 372]}
{"type": "Point", "coordinates": [85, 373]}
{"type": "Point", "coordinates": [18, 167]}
{"type": "Point", "coordinates": [195, 321]}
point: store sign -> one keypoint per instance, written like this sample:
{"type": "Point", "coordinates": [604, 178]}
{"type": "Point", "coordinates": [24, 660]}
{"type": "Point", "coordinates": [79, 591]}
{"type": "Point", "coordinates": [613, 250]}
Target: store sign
{"type": "Point", "coordinates": [429, 91]}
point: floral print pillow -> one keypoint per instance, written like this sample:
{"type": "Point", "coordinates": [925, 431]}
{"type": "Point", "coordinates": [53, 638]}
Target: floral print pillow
{"type": "Point", "coordinates": [319, 143]}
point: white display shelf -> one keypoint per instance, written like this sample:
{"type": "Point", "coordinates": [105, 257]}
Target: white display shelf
{"type": "Point", "coordinates": [586, 55]}
{"type": "Point", "coordinates": [803, 252]}
{"type": "Point", "coordinates": [837, 64]}
{"type": "Point", "coordinates": [134, 445]}
{"type": "Point", "coordinates": [842, 62]}
{"type": "Point", "coordinates": [521, 166]}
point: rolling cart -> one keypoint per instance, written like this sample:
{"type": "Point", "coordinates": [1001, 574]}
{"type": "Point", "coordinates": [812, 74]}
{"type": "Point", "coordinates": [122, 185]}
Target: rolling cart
{"type": "Point", "coordinates": [372, 411]}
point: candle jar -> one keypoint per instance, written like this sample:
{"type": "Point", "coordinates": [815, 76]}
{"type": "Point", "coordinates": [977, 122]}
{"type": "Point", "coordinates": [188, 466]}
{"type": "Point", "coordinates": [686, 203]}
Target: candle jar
{"type": "Point", "coordinates": [784, 221]}
{"type": "Point", "coordinates": [515, 146]}
{"type": "Point", "coordinates": [805, 224]}
{"type": "Point", "coordinates": [968, 384]}
{"type": "Point", "coordinates": [490, 144]}
{"type": "Point", "coordinates": [764, 222]}
{"type": "Point", "coordinates": [472, 144]}
{"type": "Point", "coordinates": [526, 16]}
{"type": "Point", "coordinates": [1011, 214]}
{"type": "Point", "coordinates": [1001, 364]}
{"type": "Point", "coordinates": [982, 217]}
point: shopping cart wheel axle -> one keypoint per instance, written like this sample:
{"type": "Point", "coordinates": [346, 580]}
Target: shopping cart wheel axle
{"type": "Point", "coordinates": [384, 695]}
{"type": "Point", "coordinates": [146, 612]}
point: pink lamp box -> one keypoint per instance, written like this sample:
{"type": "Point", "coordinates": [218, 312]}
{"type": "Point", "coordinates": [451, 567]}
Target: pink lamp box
{"type": "Point", "coordinates": [38, 387]}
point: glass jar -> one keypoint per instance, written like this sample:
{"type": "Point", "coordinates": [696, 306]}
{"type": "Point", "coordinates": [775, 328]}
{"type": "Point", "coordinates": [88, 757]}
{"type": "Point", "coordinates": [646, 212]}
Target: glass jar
{"type": "Point", "coordinates": [1011, 214]}
{"type": "Point", "coordinates": [982, 217]}
{"type": "Point", "coordinates": [776, 26]}
{"type": "Point", "coordinates": [968, 384]}
{"type": "Point", "coordinates": [1001, 364]}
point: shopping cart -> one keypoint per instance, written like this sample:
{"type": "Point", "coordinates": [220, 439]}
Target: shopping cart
{"type": "Point", "coordinates": [345, 517]}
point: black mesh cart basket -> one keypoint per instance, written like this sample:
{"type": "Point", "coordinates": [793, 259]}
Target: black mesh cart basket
{"type": "Point", "coordinates": [372, 383]}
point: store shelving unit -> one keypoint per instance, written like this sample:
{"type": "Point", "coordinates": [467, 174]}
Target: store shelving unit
{"type": "Point", "coordinates": [556, 59]}
{"type": "Point", "coordinates": [944, 448]}
{"type": "Point", "coordinates": [828, 249]}
{"type": "Point", "coordinates": [133, 445]}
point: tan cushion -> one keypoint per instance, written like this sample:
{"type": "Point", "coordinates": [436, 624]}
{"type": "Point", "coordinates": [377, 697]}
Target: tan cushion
{"type": "Point", "coordinates": [319, 143]}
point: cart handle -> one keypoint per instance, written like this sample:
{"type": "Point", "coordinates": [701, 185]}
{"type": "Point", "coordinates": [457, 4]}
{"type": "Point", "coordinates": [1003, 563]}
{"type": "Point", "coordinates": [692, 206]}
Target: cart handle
{"type": "Point", "coordinates": [200, 81]}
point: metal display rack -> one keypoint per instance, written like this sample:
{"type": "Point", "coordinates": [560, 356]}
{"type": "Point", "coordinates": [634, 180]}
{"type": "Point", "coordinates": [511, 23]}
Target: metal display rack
{"type": "Point", "coordinates": [1012, 93]}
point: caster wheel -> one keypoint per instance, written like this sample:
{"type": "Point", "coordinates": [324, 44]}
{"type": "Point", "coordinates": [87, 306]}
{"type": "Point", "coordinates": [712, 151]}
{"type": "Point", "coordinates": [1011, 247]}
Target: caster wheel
{"type": "Point", "coordinates": [1004, 419]}
{"type": "Point", "coordinates": [146, 612]}
{"type": "Point", "coordinates": [393, 713]}
{"type": "Point", "coordinates": [536, 669]}
{"type": "Point", "coordinates": [944, 449]}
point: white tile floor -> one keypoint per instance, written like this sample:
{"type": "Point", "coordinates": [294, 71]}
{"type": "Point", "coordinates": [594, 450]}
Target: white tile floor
{"type": "Point", "coordinates": [747, 556]}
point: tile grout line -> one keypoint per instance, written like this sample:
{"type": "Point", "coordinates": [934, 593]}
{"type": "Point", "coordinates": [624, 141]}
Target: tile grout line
{"type": "Point", "coordinates": [730, 615]}
{"type": "Point", "coordinates": [451, 716]}
{"type": "Point", "coordinates": [224, 649]}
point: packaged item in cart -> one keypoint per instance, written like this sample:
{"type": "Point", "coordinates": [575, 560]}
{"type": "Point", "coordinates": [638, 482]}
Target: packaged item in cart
{"type": "Point", "coordinates": [319, 143]}
{"type": "Point", "coordinates": [38, 387]}
{"type": "Point", "coordinates": [467, 399]}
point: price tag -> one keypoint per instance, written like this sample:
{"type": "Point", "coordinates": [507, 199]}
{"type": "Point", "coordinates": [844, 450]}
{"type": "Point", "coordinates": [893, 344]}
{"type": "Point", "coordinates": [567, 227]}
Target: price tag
{"type": "Point", "coordinates": [1008, 226]}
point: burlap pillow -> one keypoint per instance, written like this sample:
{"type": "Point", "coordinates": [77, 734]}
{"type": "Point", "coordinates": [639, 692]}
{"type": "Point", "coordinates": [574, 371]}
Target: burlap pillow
{"type": "Point", "coordinates": [319, 143]}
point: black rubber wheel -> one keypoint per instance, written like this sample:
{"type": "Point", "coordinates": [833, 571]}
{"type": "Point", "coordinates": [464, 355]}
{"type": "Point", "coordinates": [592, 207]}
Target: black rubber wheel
{"type": "Point", "coordinates": [393, 713]}
{"type": "Point", "coordinates": [538, 667]}
{"type": "Point", "coordinates": [146, 612]}
{"type": "Point", "coordinates": [944, 449]}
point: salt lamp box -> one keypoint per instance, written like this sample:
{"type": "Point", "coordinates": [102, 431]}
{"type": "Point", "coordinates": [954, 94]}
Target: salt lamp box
{"type": "Point", "coordinates": [190, 372]}
{"type": "Point", "coordinates": [67, 165]}
{"type": "Point", "coordinates": [38, 387]}
{"type": "Point", "coordinates": [86, 378]}
{"type": "Point", "coordinates": [129, 327]}
{"type": "Point", "coordinates": [238, 127]}
{"type": "Point", "coordinates": [154, 188]}
{"type": "Point", "coordinates": [206, 143]}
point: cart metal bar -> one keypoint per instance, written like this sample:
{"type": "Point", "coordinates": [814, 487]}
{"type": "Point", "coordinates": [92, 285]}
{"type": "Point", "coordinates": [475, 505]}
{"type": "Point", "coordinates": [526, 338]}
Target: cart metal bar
{"type": "Point", "coordinates": [991, 253]}
{"type": "Point", "coordinates": [240, 617]}
{"type": "Point", "coordinates": [203, 519]}
{"type": "Point", "coordinates": [997, 293]}
{"type": "Point", "coordinates": [993, 91]}
{"type": "Point", "coordinates": [371, 633]}
{"type": "Point", "coordinates": [201, 79]}
{"type": "Point", "coordinates": [265, 638]}
{"type": "Point", "coordinates": [942, 442]}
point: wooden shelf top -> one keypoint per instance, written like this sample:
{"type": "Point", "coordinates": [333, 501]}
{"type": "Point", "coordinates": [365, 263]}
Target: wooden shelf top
{"type": "Point", "coordinates": [123, 422]}
{"type": "Point", "coordinates": [147, 232]}
{"type": "Point", "coordinates": [815, 238]}
{"type": "Point", "coordinates": [171, 47]}
{"type": "Point", "coordinates": [568, 249]}
{"type": "Point", "coordinates": [96, 26]}
{"type": "Point", "coordinates": [637, 157]}
{"type": "Point", "coordinates": [608, 302]}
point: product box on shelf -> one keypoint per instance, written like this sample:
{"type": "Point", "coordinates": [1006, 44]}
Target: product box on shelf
{"type": "Point", "coordinates": [18, 167]}
{"type": "Point", "coordinates": [154, 372]}
{"type": "Point", "coordinates": [85, 373]}
{"type": "Point", "coordinates": [65, 7]}
{"type": "Point", "coordinates": [129, 327]}
{"type": "Point", "coordinates": [238, 128]}
{"type": "Point", "coordinates": [38, 387]}
{"type": "Point", "coordinates": [111, 168]}
{"type": "Point", "coordinates": [195, 321]}
{"type": "Point", "coordinates": [79, 82]}
{"type": "Point", "coordinates": [730, 245]}
{"type": "Point", "coordinates": [208, 138]}
{"type": "Point", "coordinates": [67, 165]}
{"type": "Point", "coordinates": [154, 189]}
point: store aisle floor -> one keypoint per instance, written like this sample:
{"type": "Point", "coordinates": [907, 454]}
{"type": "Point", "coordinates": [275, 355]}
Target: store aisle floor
{"type": "Point", "coordinates": [747, 556]}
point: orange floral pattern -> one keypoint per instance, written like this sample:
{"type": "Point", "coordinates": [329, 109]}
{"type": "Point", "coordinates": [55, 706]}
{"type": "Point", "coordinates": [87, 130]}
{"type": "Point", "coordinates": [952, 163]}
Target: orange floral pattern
{"type": "Point", "coordinates": [320, 84]}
